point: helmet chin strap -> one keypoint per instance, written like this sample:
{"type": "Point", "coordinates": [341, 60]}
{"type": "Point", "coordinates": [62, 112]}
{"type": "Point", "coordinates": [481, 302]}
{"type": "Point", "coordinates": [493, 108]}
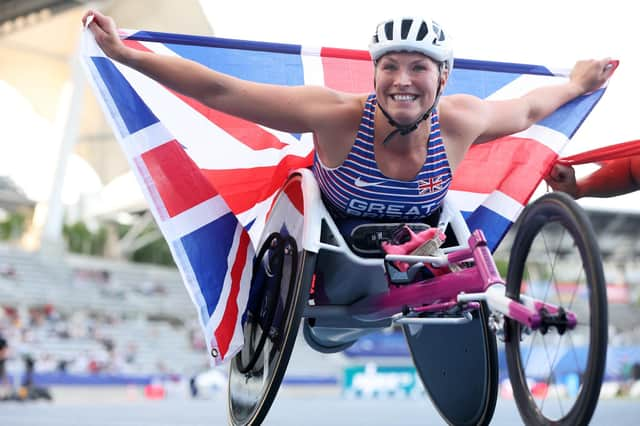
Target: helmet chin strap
{"type": "Point", "coordinates": [405, 129]}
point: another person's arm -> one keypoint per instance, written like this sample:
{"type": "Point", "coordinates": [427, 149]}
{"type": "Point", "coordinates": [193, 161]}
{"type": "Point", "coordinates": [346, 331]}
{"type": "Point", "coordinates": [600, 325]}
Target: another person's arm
{"type": "Point", "coordinates": [616, 177]}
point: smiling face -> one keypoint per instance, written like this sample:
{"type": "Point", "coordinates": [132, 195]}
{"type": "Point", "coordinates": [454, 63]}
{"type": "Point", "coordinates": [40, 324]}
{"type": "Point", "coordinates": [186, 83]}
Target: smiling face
{"type": "Point", "coordinates": [406, 85]}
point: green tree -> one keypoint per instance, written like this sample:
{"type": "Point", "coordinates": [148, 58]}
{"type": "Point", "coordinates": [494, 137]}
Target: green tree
{"type": "Point", "coordinates": [80, 239]}
{"type": "Point", "coordinates": [157, 252]}
{"type": "Point", "coordinates": [13, 226]}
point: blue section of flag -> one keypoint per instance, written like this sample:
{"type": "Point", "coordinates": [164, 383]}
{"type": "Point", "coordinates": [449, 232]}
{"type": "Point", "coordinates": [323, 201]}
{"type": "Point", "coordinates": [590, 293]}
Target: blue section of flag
{"type": "Point", "coordinates": [219, 42]}
{"type": "Point", "coordinates": [493, 225]}
{"type": "Point", "coordinates": [259, 66]}
{"type": "Point", "coordinates": [135, 114]}
{"type": "Point", "coordinates": [569, 117]}
{"type": "Point", "coordinates": [207, 249]}
{"type": "Point", "coordinates": [477, 83]}
{"type": "Point", "coordinates": [503, 67]}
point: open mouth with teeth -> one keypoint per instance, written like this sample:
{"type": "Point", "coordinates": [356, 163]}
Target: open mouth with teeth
{"type": "Point", "coordinates": [404, 98]}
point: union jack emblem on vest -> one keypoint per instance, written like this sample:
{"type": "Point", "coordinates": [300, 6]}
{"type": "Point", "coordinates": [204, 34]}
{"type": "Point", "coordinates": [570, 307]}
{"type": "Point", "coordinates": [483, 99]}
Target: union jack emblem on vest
{"type": "Point", "coordinates": [430, 185]}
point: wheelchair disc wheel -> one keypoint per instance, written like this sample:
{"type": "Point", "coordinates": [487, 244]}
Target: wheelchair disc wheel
{"type": "Point", "coordinates": [556, 376]}
{"type": "Point", "coordinates": [271, 326]}
{"type": "Point", "coordinates": [446, 355]}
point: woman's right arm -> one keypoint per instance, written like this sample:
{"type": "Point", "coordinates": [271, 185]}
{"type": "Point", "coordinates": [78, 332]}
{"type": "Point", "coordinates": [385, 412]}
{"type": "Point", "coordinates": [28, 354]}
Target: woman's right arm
{"type": "Point", "coordinates": [286, 108]}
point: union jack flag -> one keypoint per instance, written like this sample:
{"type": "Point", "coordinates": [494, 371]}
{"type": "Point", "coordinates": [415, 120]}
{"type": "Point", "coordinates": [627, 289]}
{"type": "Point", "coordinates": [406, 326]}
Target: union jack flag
{"type": "Point", "coordinates": [430, 185]}
{"type": "Point", "coordinates": [210, 178]}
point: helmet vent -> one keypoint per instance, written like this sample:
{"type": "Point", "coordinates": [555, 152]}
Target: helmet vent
{"type": "Point", "coordinates": [423, 31]}
{"type": "Point", "coordinates": [388, 30]}
{"type": "Point", "coordinates": [438, 31]}
{"type": "Point", "coordinates": [406, 26]}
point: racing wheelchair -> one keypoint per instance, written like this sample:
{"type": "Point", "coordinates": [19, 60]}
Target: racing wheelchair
{"type": "Point", "coordinates": [451, 305]}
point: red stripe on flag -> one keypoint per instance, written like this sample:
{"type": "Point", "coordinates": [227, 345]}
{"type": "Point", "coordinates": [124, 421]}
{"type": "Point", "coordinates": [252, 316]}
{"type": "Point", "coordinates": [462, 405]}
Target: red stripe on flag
{"type": "Point", "coordinates": [242, 189]}
{"type": "Point", "coordinates": [347, 73]}
{"type": "Point", "coordinates": [335, 52]}
{"type": "Point", "coordinates": [226, 328]}
{"type": "Point", "coordinates": [511, 165]}
{"type": "Point", "coordinates": [136, 45]}
{"type": "Point", "coordinates": [294, 192]}
{"type": "Point", "coordinates": [177, 178]}
{"type": "Point", "coordinates": [248, 133]}
{"type": "Point", "coordinates": [244, 131]}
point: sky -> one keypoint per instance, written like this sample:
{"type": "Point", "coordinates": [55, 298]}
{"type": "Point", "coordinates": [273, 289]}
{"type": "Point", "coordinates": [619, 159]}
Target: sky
{"type": "Point", "coordinates": [554, 33]}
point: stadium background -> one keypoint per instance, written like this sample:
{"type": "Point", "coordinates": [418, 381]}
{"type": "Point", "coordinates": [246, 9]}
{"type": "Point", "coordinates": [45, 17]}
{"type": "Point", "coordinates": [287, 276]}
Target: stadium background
{"type": "Point", "coordinates": [87, 289]}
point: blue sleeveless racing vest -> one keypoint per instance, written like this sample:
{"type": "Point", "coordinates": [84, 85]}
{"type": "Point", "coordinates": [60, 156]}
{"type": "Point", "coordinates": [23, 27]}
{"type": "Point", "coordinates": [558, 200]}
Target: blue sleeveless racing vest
{"type": "Point", "coordinates": [358, 188]}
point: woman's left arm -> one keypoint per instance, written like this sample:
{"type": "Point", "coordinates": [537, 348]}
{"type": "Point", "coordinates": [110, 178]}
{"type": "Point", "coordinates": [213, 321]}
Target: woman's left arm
{"type": "Point", "coordinates": [501, 118]}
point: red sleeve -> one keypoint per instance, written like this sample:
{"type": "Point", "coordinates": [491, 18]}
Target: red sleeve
{"type": "Point", "coordinates": [616, 177]}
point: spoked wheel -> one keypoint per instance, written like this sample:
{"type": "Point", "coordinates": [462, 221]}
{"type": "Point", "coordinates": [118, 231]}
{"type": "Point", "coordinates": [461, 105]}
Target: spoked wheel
{"type": "Point", "coordinates": [556, 374]}
{"type": "Point", "coordinates": [280, 287]}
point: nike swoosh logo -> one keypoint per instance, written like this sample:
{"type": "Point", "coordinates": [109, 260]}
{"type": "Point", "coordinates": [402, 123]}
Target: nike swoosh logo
{"type": "Point", "coordinates": [363, 184]}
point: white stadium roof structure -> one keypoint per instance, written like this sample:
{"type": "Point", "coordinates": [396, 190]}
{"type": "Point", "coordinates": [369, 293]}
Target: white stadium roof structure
{"type": "Point", "coordinates": [52, 114]}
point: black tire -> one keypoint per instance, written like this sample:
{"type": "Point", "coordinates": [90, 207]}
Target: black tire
{"type": "Point", "coordinates": [271, 327]}
{"type": "Point", "coordinates": [547, 225]}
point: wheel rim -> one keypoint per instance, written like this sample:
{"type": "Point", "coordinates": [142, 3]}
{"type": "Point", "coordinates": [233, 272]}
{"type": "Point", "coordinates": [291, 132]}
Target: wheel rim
{"type": "Point", "coordinates": [558, 369]}
{"type": "Point", "coordinates": [552, 363]}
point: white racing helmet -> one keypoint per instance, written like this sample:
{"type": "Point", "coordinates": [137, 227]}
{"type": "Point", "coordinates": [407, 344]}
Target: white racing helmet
{"type": "Point", "coordinates": [412, 35]}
